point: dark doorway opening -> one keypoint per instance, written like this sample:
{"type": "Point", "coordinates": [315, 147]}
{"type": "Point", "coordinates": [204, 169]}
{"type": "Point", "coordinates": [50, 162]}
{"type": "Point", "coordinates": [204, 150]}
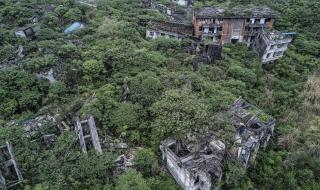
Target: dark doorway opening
{"type": "Point", "coordinates": [234, 41]}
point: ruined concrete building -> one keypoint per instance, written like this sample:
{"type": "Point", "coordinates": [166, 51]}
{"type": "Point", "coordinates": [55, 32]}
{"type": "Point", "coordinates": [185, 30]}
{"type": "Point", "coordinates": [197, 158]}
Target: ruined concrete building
{"type": "Point", "coordinates": [28, 31]}
{"type": "Point", "coordinates": [194, 169]}
{"type": "Point", "coordinates": [198, 166]}
{"type": "Point", "coordinates": [270, 45]}
{"type": "Point", "coordinates": [234, 25]}
{"type": "Point", "coordinates": [168, 30]}
{"type": "Point", "coordinates": [253, 130]}
{"type": "Point", "coordinates": [87, 134]}
{"type": "Point", "coordinates": [9, 172]}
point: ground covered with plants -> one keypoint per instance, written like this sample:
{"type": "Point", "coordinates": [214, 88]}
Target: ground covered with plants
{"type": "Point", "coordinates": [166, 98]}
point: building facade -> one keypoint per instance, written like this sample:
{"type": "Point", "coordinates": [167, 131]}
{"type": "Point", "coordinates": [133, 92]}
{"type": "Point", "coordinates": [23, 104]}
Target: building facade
{"type": "Point", "coordinates": [178, 31]}
{"type": "Point", "coordinates": [234, 25]}
{"type": "Point", "coordinates": [270, 45]}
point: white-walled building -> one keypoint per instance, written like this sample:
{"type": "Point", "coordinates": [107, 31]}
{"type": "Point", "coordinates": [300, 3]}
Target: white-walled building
{"type": "Point", "coordinates": [270, 45]}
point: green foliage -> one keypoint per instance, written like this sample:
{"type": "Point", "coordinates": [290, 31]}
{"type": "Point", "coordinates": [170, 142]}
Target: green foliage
{"type": "Point", "coordinates": [178, 112]}
{"type": "Point", "coordinates": [19, 92]}
{"type": "Point", "coordinates": [146, 161]}
{"type": "Point", "coordinates": [93, 70]}
{"type": "Point", "coordinates": [131, 180]}
{"type": "Point", "coordinates": [57, 92]}
{"type": "Point", "coordinates": [235, 177]}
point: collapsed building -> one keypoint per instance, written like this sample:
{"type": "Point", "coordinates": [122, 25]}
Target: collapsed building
{"type": "Point", "coordinates": [197, 166]}
{"type": "Point", "coordinates": [253, 130]}
{"type": "Point", "coordinates": [9, 172]}
{"type": "Point", "coordinates": [194, 169]}
{"type": "Point", "coordinates": [270, 45]}
{"type": "Point", "coordinates": [233, 25]}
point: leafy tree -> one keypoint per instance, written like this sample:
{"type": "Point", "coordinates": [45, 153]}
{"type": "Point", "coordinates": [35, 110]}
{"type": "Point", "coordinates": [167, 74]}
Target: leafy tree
{"type": "Point", "coordinates": [146, 161]}
{"type": "Point", "coordinates": [131, 180]}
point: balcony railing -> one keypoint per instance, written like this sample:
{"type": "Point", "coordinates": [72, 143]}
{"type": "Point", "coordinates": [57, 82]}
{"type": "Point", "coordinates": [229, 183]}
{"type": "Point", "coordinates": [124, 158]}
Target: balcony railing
{"type": "Point", "coordinates": [210, 33]}
{"type": "Point", "coordinates": [257, 25]}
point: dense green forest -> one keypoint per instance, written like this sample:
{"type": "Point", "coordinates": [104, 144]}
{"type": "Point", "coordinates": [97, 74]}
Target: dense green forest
{"type": "Point", "coordinates": [94, 63]}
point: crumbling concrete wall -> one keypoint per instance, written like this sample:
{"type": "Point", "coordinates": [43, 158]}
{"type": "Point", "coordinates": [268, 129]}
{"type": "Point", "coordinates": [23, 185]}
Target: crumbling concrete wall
{"type": "Point", "coordinates": [253, 130]}
{"type": "Point", "coordinates": [10, 175]}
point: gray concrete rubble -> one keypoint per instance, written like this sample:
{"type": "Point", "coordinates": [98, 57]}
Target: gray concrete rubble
{"type": "Point", "coordinates": [253, 130]}
{"type": "Point", "coordinates": [49, 75]}
{"type": "Point", "coordinates": [88, 135]}
{"type": "Point", "coordinates": [191, 168]}
{"type": "Point", "coordinates": [10, 175]}
{"type": "Point", "coordinates": [32, 126]}
{"type": "Point", "coordinates": [49, 140]}
{"type": "Point", "coordinates": [124, 162]}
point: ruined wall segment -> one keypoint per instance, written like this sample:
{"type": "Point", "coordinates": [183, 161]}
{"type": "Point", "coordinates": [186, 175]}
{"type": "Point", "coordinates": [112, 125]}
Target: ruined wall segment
{"type": "Point", "coordinates": [254, 129]}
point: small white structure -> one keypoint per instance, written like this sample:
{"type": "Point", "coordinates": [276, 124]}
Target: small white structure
{"type": "Point", "coordinates": [151, 33]}
{"type": "Point", "coordinates": [271, 45]}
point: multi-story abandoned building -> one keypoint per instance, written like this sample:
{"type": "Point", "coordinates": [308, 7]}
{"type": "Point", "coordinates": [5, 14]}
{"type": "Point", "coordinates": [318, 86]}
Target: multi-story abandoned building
{"type": "Point", "coordinates": [270, 45]}
{"type": "Point", "coordinates": [168, 30]}
{"type": "Point", "coordinates": [253, 130]}
{"type": "Point", "coordinates": [233, 25]}
{"type": "Point", "coordinates": [194, 169]}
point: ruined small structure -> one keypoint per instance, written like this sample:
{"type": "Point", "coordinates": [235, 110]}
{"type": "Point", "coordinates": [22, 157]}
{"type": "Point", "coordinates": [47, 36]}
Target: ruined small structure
{"type": "Point", "coordinates": [204, 53]}
{"type": "Point", "coordinates": [270, 45]}
{"type": "Point", "coordinates": [28, 31]}
{"type": "Point", "coordinates": [191, 167]}
{"type": "Point", "coordinates": [253, 130]}
{"type": "Point", "coordinates": [232, 25]}
{"type": "Point", "coordinates": [168, 30]}
{"type": "Point", "coordinates": [87, 134]}
{"type": "Point", "coordinates": [124, 162]}
{"type": "Point", "coordinates": [9, 172]}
